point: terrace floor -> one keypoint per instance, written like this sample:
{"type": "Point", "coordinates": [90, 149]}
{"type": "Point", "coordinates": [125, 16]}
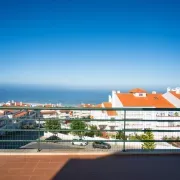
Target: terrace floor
{"type": "Point", "coordinates": [89, 167]}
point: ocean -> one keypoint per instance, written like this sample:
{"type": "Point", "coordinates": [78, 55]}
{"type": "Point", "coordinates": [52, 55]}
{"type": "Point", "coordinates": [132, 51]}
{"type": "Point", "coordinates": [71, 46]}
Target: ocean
{"type": "Point", "coordinates": [49, 95]}
{"type": "Point", "coordinates": [65, 97]}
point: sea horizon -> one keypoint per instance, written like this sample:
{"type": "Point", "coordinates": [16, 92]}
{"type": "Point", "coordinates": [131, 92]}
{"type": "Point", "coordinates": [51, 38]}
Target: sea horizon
{"type": "Point", "coordinates": [64, 96]}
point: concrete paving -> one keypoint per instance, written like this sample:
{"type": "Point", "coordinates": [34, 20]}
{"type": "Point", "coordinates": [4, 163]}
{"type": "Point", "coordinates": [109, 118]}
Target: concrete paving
{"type": "Point", "coordinates": [94, 167]}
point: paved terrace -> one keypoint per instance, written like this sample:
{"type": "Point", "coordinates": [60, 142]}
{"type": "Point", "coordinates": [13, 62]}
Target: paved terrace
{"type": "Point", "coordinates": [89, 167]}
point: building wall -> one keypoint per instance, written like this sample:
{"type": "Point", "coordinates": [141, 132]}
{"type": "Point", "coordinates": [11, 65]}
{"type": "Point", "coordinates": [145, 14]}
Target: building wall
{"type": "Point", "coordinates": [115, 101]}
{"type": "Point", "coordinates": [49, 116]}
{"type": "Point", "coordinates": [80, 114]}
{"type": "Point", "coordinates": [148, 115]}
{"type": "Point", "coordinates": [99, 115]}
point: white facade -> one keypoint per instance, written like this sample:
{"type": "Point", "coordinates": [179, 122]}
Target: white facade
{"type": "Point", "coordinates": [115, 100]}
{"type": "Point", "coordinates": [137, 115]}
{"type": "Point", "coordinates": [46, 116]}
{"type": "Point", "coordinates": [81, 114]}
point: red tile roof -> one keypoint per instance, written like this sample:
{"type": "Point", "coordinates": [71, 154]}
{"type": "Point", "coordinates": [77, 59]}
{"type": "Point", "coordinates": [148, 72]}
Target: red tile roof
{"type": "Point", "coordinates": [137, 90]}
{"type": "Point", "coordinates": [48, 105]}
{"type": "Point", "coordinates": [20, 114]}
{"type": "Point", "coordinates": [48, 112]}
{"type": "Point", "coordinates": [175, 94]}
{"type": "Point", "coordinates": [109, 105]}
{"type": "Point", "coordinates": [151, 100]}
{"type": "Point", "coordinates": [99, 106]}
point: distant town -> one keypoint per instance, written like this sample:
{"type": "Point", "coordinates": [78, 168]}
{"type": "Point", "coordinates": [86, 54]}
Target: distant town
{"type": "Point", "coordinates": [135, 98]}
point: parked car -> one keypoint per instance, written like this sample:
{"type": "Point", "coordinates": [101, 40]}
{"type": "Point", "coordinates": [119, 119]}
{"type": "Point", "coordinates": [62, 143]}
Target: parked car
{"type": "Point", "coordinates": [79, 142]}
{"type": "Point", "coordinates": [101, 145]}
{"type": "Point", "coordinates": [53, 138]}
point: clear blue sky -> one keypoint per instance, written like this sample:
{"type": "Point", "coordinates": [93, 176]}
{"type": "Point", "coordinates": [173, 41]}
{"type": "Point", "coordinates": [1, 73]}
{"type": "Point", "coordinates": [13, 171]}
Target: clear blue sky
{"type": "Point", "coordinates": [90, 43]}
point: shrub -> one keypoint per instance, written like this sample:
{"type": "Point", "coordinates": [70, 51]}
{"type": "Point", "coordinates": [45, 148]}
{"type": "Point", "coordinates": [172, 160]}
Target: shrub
{"type": "Point", "coordinates": [148, 135]}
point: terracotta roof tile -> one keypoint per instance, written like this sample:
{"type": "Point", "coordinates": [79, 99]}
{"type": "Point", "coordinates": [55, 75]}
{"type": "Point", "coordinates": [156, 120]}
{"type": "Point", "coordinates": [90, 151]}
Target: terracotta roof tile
{"type": "Point", "coordinates": [99, 106]}
{"type": "Point", "coordinates": [175, 94]}
{"type": "Point", "coordinates": [48, 105]}
{"type": "Point", "coordinates": [20, 114]}
{"type": "Point", "coordinates": [109, 105]}
{"type": "Point", "coordinates": [151, 100]}
{"type": "Point", "coordinates": [137, 90]}
{"type": "Point", "coordinates": [48, 112]}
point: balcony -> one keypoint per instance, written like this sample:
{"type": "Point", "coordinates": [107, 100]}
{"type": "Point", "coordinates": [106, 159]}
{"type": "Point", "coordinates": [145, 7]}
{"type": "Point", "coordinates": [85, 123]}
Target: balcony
{"type": "Point", "coordinates": [138, 147]}
{"type": "Point", "coordinates": [123, 133]}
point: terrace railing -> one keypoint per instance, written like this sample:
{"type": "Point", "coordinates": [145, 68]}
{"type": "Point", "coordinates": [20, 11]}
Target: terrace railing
{"type": "Point", "coordinates": [133, 129]}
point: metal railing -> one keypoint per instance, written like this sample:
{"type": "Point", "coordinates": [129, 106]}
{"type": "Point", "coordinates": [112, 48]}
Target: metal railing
{"type": "Point", "coordinates": [123, 133]}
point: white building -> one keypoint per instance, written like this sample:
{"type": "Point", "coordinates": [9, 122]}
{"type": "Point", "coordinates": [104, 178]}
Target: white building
{"type": "Point", "coordinates": [138, 98]}
{"type": "Point", "coordinates": [48, 114]}
{"type": "Point", "coordinates": [82, 114]}
{"type": "Point", "coordinates": [63, 114]}
{"type": "Point", "coordinates": [105, 115]}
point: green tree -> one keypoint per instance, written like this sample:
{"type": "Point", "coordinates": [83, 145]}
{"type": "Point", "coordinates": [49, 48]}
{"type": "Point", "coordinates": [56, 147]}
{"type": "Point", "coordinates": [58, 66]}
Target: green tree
{"type": "Point", "coordinates": [176, 114]}
{"type": "Point", "coordinates": [120, 135]}
{"type": "Point", "coordinates": [52, 126]}
{"type": "Point", "coordinates": [135, 137]}
{"type": "Point", "coordinates": [148, 135]}
{"type": "Point", "coordinates": [78, 125]}
{"type": "Point", "coordinates": [94, 132]}
{"type": "Point", "coordinates": [113, 136]}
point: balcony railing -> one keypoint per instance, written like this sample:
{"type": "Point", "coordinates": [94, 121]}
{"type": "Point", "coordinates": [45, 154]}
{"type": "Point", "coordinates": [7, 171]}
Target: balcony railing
{"type": "Point", "coordinates": [127, 132]}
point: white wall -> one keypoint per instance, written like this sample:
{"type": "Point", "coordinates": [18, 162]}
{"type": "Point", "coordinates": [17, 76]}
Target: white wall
{"type": "Point", "coordinates": [49, 116]}
{"type": "Point", "coordinates": [80, 114]}
{"type": "Point", "coordinates": [99, 114]}
{"type": "Point", "coordinates": [116, 102]}
{"type": "Point", "coordinates": [110, 99]}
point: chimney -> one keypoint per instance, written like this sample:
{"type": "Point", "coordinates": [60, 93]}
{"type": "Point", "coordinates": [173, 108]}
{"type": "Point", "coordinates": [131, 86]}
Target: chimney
{"type": "Point", "coordinates": [153, 92]}
{"type": "Point", "coordinates": [177, 90]}
{"type": "Point", "coordinates": [110, 99]}
{"type": "Point", "coordinates": [113, 99]}
{"type": "Point", "coordinates": [168, 89]}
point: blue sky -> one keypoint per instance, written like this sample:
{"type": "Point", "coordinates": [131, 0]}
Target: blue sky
{"type": "Point", "coordinates": [90, 43]}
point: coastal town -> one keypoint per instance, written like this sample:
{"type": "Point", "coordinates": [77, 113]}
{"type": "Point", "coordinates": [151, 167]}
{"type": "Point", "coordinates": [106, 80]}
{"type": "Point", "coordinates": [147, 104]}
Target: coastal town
{"type": "Point", "coordinates": [89, 89]}
{"type": "Point", "coordinates": [135, 98]}
{"type": "Point", "coordinates": [112, 120]}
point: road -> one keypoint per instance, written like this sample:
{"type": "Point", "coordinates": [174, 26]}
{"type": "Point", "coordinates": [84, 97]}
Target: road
{"type": "Point", "coordinates": [67, 146]}
{"type": "Point", "coordinates": [64, 146]}
{"type": "Point", "coordinates": [30, 136]}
